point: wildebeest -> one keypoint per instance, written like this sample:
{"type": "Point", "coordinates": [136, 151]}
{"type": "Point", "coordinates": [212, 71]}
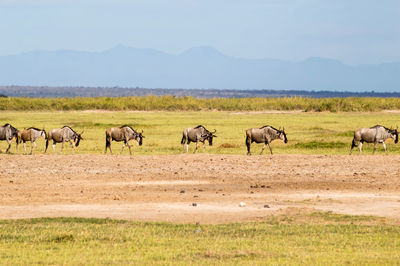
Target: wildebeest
{"type": "Point", "coordinates": [197, 134]}
{"type": "Point", "coordinates": [376, 134]}
{"type": "Point", "coordinates": [64, 134]}
{"type": "Point", "coordinates": [124, 133]}
{"type": "Point", "coordinates": [31, 134]}
{"type": "Point", "coordinates": [8, 132]}
{"type": "Point", "coordinates": [266, 135]}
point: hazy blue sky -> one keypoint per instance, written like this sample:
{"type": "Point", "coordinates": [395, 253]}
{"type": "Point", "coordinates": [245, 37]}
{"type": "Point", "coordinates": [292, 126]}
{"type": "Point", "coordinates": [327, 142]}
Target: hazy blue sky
{"type": "Point", "coordinates": [353, 31]}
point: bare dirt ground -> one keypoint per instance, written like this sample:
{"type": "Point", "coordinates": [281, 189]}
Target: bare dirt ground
{"type": "Point", "coordinates": [166, 188]}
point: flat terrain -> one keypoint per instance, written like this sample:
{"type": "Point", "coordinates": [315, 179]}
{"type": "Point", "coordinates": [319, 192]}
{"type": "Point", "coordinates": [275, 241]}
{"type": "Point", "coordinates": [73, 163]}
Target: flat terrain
{"type": "Point", "coordinates": [307, 133]}
{"type": "Point", "coordinates": [165, 187]}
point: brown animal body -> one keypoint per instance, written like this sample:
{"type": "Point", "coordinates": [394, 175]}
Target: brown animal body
{"type": "Point", "coordinates": [376, 134]}
{"type": "Point", "coordinates": [197, 134]}
{"type": "Point", "coordinates": [8, 132]}
{"type": "Point", "coordinates": [31, 134]}
{"type": "Point", "coordinates": [124, 133]}
{"type": "Point", "coordinates": [266, 135]}
{"type": "Point", "coordinates": [64, 134]}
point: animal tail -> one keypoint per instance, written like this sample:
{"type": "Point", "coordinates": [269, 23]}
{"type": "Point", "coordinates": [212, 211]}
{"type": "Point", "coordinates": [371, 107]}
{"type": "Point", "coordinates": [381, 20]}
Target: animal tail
{"type": "Point", "coordinates": [353, 143]}
{"type": "Point", "coordinates": [47, 142]}
{"type": "Point", "coordinates": [17, 140]}
{"type": "Point", "coordinates": [183, 139]}
{"type": "Point", "coordinates": [107, 141]}
{"type": "Point", "coordinates": [247, 142]}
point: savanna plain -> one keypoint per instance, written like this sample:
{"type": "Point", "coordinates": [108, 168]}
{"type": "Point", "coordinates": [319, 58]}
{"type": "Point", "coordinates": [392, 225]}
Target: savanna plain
{"type": "Point", "coordinates": [310, 202]}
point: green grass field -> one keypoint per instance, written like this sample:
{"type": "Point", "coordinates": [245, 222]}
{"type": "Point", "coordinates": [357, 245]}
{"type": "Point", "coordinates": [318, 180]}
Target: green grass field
{"type": "Point", "coordinates": [307, 132]}
{"type": "Point", "coordinates": [315, 238]}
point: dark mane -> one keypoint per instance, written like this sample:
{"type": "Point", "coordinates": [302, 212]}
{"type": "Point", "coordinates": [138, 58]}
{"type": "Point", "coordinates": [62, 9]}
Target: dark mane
{"type": "Point", "coordinates": [7, 124]}
{"type": "Point", "coordinates": [200, 126]}
{"type": "Point", "coordinates": [71, 129]}
{"type": "Point", "coordinates": [376, 126]}
{"type": "Point", "coordinates": [127, 127]}
{"type": "Point", "coordinates": [35, 128]}
{"type": "Point", "coordinates": [270, 127]}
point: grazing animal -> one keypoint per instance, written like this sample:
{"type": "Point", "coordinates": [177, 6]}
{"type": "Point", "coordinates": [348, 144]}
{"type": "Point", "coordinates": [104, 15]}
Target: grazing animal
{"type": "Point", "coordinates": [197, 134]}
{"type": "Point", "coordinates": [124, 133]}
{"type": "Point", "coordinates": [31, 134]}
{"type": "Point", "coordinates": [8, 132]}
{"type": "Point", "coordinates": [64, 134]}
{"type": "Point", "coordinates": [376, 134]}
{"type": "Point", "coordinates": [266, 135]}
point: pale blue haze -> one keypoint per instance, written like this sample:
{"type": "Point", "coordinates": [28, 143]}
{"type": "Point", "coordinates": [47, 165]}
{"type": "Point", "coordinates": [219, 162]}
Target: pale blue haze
{"type": "Point", "coordinates": [353, 32]}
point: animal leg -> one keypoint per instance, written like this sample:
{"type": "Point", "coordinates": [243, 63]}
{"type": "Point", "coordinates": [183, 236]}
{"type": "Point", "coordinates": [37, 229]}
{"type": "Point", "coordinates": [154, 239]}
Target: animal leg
{"type": "Point", "coordinates": [197, 146]}
{"type": "Point", "coordinates": [109, 146]}
{"type": "Point", "coordinates": [265, 144]}
{"type": "Point", "coordinates": [384, 146]}
{"type": "Point", "coordinates": [204, 147]}
{"type": "Point", "coordinates": [374, 147]}
{"type": "Point", "coordinates": [9, 146]}
{"type": "Point", "coordinates": [123, 146]}
{"type": "Point", "coordinates": [33, 145]}
{"type": "Point", "coordinates": [72, 147]}
{"type": "Point", "coordinates": [62, 146]}
{"type": "Point", "coordinates": [105, 150]}
{"type": "Point", "coordinates": [248, 146]}
{"type": "Point", "coordinates": [269, 145]}
{"type": "Point", "coordinates": [129, 146]}
{"type": "Point", "coordinates": [25, 146]}
{"type": "Point", "coordinates": [360, 147]}
{"type": "Point", "coordinates": [54, 146]}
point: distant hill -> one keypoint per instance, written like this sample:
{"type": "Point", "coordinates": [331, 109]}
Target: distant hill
{"type": "Point", "coordinates": [201, 68]}
{"type": "Point", "coordinates": [45, 91]}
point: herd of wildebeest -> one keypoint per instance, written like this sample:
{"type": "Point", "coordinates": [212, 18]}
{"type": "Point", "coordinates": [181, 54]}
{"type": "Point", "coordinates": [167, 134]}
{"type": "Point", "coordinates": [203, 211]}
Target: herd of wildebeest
{"type": "Point", "coordinates": [266, 134]}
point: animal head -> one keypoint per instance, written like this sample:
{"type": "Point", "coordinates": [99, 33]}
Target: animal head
{"type": "Point", "coordinates": [209, 137]}
{"type": "Point", "coordinates": [43, 133]}
{"type": "Point", "coordinates": [78, 138]}
{"type": "Point", "coordinates": [395, 135]}
{"type": "Point", "coordinates": [14, 131]}
{"type": "Point", "coordinates": [282, 134]}
{"type": "Point", "coordinates": [139, 138]}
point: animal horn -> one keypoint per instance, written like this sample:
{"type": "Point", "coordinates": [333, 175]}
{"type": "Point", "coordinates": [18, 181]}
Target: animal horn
{"type": "Point", "coordinates": [214, 131]}
{"type": "Point", "coordinates": [142, 131]}
{"type": "Point", "coordinates": [283, 128]}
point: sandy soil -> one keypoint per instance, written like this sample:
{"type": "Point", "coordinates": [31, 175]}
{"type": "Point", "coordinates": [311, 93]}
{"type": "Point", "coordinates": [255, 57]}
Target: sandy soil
{"type": "Point", "coordinates": [166, 188]}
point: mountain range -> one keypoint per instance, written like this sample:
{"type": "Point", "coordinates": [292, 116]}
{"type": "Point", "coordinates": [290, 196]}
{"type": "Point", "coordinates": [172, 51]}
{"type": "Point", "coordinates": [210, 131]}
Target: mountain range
{"type": "Point", "coordinates": [200, 68]}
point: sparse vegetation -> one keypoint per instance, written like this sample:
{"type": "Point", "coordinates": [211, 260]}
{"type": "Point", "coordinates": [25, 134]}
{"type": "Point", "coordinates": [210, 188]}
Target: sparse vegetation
{"type": "Point", "coordinates": [315, 238]}
{"type": "Point", "coordinates": [172, 103]}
